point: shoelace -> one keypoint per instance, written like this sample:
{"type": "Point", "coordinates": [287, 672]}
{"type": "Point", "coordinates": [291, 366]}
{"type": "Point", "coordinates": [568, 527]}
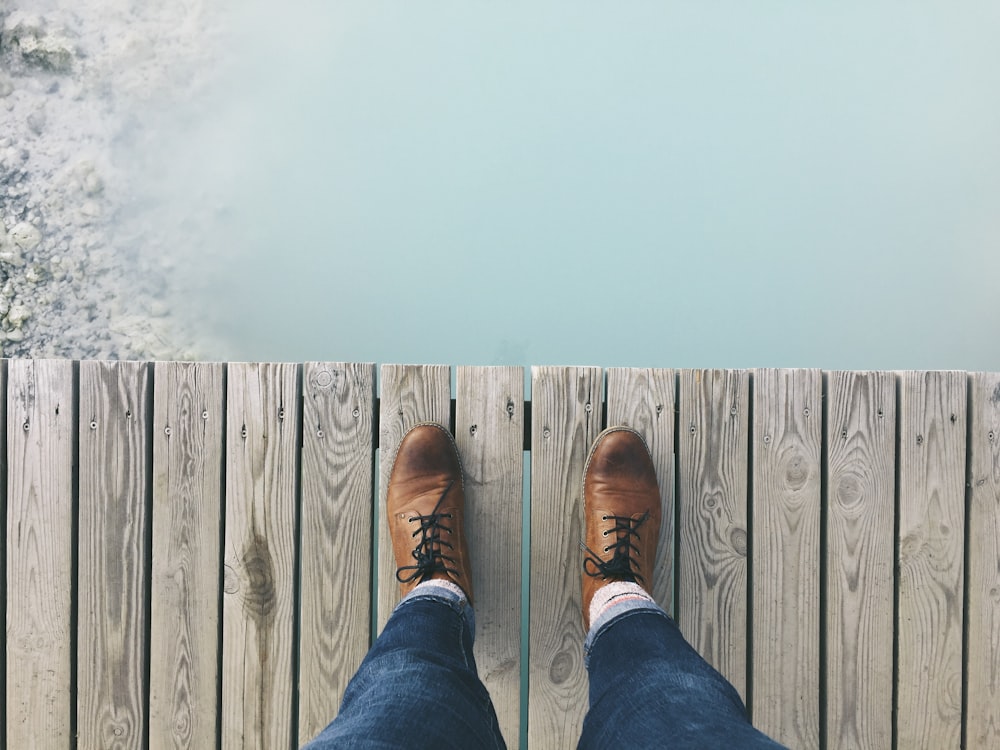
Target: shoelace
{"type": "Point", "coordinates": [428, 554]}
{"type": "Point", "coordinates": [620, 566]}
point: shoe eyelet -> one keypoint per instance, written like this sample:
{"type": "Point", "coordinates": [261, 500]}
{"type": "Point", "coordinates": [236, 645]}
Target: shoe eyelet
{"type": "Point", "coordinates": [605, 533]}
{"type": "Point", "coordinates": [604, 518]}
{"type": "Point", "coordinates": [607, 549]}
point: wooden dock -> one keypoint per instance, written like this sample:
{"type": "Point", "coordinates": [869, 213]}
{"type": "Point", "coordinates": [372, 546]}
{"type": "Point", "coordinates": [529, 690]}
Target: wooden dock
{"type": "Point", "coordinates": [190, 547]}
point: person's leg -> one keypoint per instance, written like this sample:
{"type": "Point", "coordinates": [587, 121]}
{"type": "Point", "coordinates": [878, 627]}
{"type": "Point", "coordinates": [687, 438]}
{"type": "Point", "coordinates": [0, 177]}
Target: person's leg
{"type": "Point", "coordinates": [418, 686]}
{"type": "Point", "coordinates": [648, 687]}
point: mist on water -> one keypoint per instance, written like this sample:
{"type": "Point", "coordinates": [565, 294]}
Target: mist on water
{"type": "Point", "coordinates": [640, 184]}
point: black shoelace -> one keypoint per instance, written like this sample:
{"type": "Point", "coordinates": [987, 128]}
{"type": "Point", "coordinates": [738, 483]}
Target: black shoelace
{"type": "Point", "coordinates": [620, 566]}
{"type": "Point", "coordinates": [428, 553]}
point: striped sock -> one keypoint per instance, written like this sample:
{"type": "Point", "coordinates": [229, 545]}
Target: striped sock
{"type": "Point", "coordinates": [426, 587]}
{"type": "Point", "coordinates": [614, 593]}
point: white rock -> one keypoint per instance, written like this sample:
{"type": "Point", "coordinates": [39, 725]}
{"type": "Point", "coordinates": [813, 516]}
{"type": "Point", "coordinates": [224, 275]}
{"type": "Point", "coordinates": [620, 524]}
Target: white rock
{"type": "Point", "coordinates": [16, 335]}
{"type": "Point", "coordinates": [157, 308]}
{"type": "Point", "coordinates": [37, 119]}
{"type": "Point", "coordinates": [25, 235]}
{"type": "Point", "coordinates": [21, 24]}
{"type": "Point", "coordinates": [53, 53]}
{"type": "Point", "coordinates": [6, 85]}
{"type": "Point", "coordinates": [92, 184]}
{"type": "Point", "coordinates": [17, 315]}
{"type": "Point", "coordinates": [11, 255]}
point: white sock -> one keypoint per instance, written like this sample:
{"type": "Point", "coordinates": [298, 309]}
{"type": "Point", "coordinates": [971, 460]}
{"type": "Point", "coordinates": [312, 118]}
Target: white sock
{"type": "Point", "coordinates": [613, 593]}
{"type": "Point", "coordinates": [440, 583]}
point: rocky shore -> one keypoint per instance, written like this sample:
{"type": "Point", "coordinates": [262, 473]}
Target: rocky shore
{"type": "Point", "coordinates": [83, 270]}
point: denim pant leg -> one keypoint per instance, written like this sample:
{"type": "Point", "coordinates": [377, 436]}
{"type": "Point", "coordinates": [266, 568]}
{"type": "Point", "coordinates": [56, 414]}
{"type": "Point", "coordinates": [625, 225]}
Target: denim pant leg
{"type": "Point", "coordinates": [650, 689]}
{"type": "Point", "coordinates": [418, 686]}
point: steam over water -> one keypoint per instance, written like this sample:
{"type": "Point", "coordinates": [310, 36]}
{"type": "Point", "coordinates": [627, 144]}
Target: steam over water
{"type": "Point", "coordinates": [646, 183]}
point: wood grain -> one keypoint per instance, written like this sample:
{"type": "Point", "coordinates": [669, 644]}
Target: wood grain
{"type": "Point", "coordinates": [188, 422]}
{"type": "Point", "coordinates": [489, 432]}
{"type": "Point", "coordinates": [262, 432]}
{"type": "Point", "coordinates": [860, 508]}
{"type": "Point", "coordinates": [40, 407]}
{"type": "Point", "coordinates": [113, 548]}
{"type": "Point", "coordinates": [712, 495]}
{"type": "Point", "coordinates": [983, 609]}
{"type": "Point", "coordinates": [643, 399]}
{"type": "Point", "coordinates": [931, 549]}
{"type": "Point", "coordinates": [565, 420]}
{"type": "Point", "coordinates": [337, 503]}
{"type": "Point", "coordinates": [787, 443]}
{"type": "Point", "coordinates": [411, 394]}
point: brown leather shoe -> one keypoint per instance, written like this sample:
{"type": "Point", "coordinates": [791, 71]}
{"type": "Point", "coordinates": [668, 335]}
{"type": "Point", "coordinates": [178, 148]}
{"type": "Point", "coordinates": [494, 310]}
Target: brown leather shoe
{"type": "Point", "coordinates": [425, 506]}
{"type": "Point", "coordinates": [621, 512]}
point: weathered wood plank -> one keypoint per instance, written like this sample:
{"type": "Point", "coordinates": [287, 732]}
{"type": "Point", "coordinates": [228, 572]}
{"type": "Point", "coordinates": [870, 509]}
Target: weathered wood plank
{"type": "Point", "coordinates": [931, 550]}
{"type": "Point", "coordinates": [337, 503]}
{"type": "Point", "coordinates": [489, 432]}
{"type": "Point", "coordinates": [712, 494]}
{"type": "Point", "coordinates": [410, 394]}
{"type": "Point", "coordinates": [860, 508]}
{"type": "Point", "coordinates": [983, 609]}
{"type": "Point", "coordinates": [188, 422]}
{"type": "Point", "coordinates": [565, 420]}
{"type": "Point", "coordinates": [41, 406]}
{"type": "Point", "coordinates": [5, 540]}
{"type": "Point", "coordinates": [643, 399]}
{"type": "Point", "coordinates": [787, 446]}
{"type": "Point", "coordinates": [262, 432]}
{"type": "Point", "coordinates": [113, 579]}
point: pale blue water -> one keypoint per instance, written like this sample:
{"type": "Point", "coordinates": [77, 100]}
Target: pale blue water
{"type": "Point", "coordinates": [654, 184]}
{"type": "Point", "coordinates": [721, 184]}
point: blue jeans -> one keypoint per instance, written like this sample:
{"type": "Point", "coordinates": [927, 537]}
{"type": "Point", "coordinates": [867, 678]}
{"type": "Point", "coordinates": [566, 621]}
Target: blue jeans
{"type": "Point", "coordinates": [418, 686]}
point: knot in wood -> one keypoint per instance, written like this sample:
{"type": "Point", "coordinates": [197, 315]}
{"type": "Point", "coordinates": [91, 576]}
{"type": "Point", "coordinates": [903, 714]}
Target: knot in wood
{"type": "Point", "coordinates": [561, 668]}
{"type": "Point", "coordinates": [230, 580]}
{"type": "Point", "coordinates": [738, 539]}
{"type": "Point", "coordinates": [796, 471]}
{"type": "Point", "coordinates": [258, 567]}
{"type": "Point", "coordinates": [849, 492]}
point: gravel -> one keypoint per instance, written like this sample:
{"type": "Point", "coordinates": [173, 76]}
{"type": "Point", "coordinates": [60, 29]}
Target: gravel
{"type": "Point", "coordinates": [83, 272]}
